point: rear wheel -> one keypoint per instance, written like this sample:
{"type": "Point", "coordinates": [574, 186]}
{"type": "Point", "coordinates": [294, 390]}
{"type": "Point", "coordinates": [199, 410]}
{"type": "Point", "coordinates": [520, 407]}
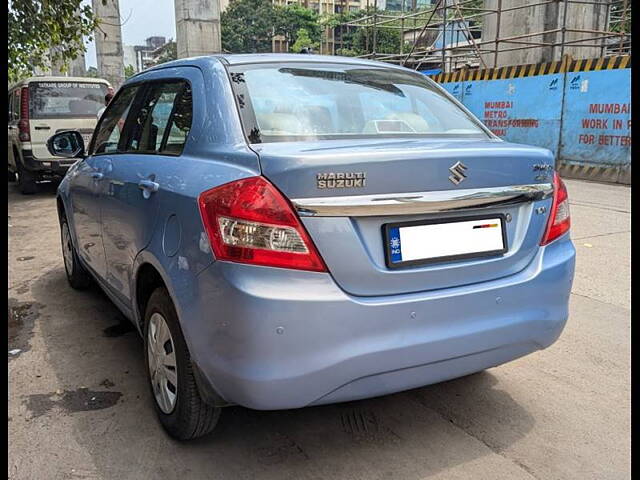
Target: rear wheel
{"type": "Point", "coordinates": [181, 410]}
{"type": "Point", "coordinates": [77, 275]}
{"type": "Point", "coordinates": [26, 181]}
{"type": "Point", "coordinates": [11, 176]}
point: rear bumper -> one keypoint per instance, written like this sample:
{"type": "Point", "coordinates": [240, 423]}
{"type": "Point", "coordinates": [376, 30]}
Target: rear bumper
{"type": "Point", "coordinates": [46, 166]}
{"type": "Point", "coordinates": [270, 338]}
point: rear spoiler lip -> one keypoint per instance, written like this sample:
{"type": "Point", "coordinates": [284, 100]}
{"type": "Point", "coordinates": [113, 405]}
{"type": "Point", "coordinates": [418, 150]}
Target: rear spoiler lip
{"type": "Point", "coordinates": [420, 202]}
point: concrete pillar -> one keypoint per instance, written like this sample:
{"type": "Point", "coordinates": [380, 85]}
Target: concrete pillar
{"type": "Point", "coordinates": [536, 19]}
{"type": "Point", "coordinates": [109, 42]}
{"type": "Point", "coordinates": [197, 27]}
{"type": "Point", "coordinates": [77, 68]}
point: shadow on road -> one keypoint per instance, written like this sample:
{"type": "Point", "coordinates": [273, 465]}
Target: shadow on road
{"type": "Point", "coordinates": [45, 190]}
{"type": "Point", "coordinates": [409, 435]}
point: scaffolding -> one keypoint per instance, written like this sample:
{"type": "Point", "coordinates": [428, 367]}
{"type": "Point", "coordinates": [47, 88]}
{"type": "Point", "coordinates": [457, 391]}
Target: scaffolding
{"type": "Point", "coordinates": [448, 35]}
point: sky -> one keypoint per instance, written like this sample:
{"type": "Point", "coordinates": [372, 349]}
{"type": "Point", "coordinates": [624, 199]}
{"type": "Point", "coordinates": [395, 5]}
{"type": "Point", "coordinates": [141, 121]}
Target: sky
{"type": "Point", "coordinates": [140, 19]}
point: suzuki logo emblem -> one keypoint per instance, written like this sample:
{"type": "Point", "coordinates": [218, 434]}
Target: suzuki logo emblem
{"type": "Point", "coordinates": [457, 173]}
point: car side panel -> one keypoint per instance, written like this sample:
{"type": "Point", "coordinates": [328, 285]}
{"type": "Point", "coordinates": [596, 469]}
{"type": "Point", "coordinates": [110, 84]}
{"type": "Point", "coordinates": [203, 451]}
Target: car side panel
{"type": "Point", "coordinates": [214, 154]}
{"type": "Point", "coordinates": [179, 247]}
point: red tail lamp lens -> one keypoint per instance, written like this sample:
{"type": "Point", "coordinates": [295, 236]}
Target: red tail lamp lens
{"type": "Point", "coordinates": [559, 220]}
{"type": "Point", "coordinates": [250, 221]}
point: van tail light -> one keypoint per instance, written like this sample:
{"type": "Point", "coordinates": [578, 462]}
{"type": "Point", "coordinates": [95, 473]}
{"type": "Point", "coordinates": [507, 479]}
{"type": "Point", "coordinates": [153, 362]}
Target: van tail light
{"type": "Point", "coordinates": [23, 124]}
{"type": "Point", "coordinates": [250, 221]}
{"type": "Point", "coordinates": [559, 220]}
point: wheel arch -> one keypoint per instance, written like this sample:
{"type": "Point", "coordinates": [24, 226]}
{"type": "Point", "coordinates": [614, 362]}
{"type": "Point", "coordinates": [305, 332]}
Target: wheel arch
{"type": "Point", "coordinates": [149, 275]}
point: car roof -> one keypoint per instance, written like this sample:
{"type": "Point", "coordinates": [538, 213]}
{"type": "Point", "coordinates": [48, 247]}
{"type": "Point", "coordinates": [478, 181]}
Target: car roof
{"type": "Point", "coordinates": [257, 58]}
{"type": "Point", "coordinates": [51, 78]}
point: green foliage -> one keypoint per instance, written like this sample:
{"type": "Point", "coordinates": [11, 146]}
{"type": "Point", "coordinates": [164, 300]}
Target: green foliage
{"type": "Point", "coordinates": [291, 19]}
{"type": "Point", "coordinates": [617, 12]}
{"type": "Point", "coordinates": [129, 71]}
{"type": "Point", "coordinates": [303, 41]}
{"type": "Point", "coordinates": [247, 26]}
{"type": "Point", "coordinates": [34, 26]}
{"type": "Point", "coordinates": [93, 72]}
{"type": "Point", "coordinates": [359, 40]}
{"type": "Point", "coordinates": [167, 52]}
{"type": "Point", "coordinates": [387, 40]}
{"type": "Point", "coordinates": [250, 25]}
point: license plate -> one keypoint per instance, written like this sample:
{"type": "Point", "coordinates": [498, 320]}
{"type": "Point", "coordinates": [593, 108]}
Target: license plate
{"type": "Point", "coordinates": [421, 242]}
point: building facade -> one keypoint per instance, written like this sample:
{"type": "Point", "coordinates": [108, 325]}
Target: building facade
{"type": "Point", "coordinates": [143, 56]}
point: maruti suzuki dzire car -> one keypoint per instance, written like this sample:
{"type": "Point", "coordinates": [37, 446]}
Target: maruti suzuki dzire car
{"type": "Point", "coordinates": [295, 230]}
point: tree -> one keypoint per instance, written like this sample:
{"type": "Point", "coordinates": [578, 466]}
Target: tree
{"type": "Point", "coordinates": [166, 53]}
{"type": "Point", "coordinates": [387, 40]}
{"type": "Point", "coordinates": [619, 13]}
{"type": "Point", "coordinates": [303, 41]}
{"type": "Point", "coordinates": [34, 26]}
{"type": "Point", "coordinates": [247, 26]}
{"type": "Point", "coordinates": [291, 19]}
{"type": "Point", "coordinates": [359, 40]}
{"type": "Point", "coordinates": [129, 71]}
{"type": "Point", "coordinates": [92, 72]}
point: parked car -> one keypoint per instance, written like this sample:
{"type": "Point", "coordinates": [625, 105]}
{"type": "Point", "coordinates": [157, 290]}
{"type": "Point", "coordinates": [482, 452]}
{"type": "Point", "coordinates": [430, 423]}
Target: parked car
{"type": "Point", "coordinates": [295, 230]}
{"type": "Point", "coordinates": [39, 107]}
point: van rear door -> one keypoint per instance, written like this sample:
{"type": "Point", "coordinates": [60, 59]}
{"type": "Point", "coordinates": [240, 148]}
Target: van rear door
{"type": "Point", "coordinates": [62, 105]}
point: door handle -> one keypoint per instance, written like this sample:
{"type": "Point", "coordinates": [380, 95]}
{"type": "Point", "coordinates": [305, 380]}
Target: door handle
{"type": "Point", "coordinates": [148, 187]}
{"type": "Point", "coordinates": [42, 127]}
{"type": "Point", "coordinates": [97, 175]}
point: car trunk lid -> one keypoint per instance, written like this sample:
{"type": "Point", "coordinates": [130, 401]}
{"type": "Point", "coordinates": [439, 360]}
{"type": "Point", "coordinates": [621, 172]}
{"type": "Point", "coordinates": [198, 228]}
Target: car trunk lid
{"type": "Point", "coordinates": [351, 240]}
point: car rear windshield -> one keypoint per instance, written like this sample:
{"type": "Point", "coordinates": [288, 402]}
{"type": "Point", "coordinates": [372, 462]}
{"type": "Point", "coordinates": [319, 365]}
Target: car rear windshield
{"type": "Point", "coordinates": [66, 99]}
{"type": "Point", "coordinates": [308, 101]}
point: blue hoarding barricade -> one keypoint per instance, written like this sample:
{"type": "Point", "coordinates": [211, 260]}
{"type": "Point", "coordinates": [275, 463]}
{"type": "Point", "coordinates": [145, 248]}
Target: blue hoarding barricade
{"type": "Point", "coordinates": [579, 109]}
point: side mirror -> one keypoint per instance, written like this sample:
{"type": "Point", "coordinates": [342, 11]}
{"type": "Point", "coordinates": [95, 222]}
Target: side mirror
{"type": "Point", "coordinates": [68, 144]}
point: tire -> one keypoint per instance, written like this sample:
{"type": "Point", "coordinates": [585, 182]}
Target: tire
{"type": "Point", "coordinates": [77, 275]}
{"type": "Point", "coordinates": [185, 416]}
{"type": "Point", "coordinates": [26, 181]}
{"type": "Point", "coordinates": [11, 176]}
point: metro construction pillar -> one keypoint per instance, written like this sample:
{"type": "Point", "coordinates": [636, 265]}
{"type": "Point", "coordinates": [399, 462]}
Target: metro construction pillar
{"type": "Point", "coordinates": [197, 27]}
{"type": "Point", "coordinates": [109, 42]}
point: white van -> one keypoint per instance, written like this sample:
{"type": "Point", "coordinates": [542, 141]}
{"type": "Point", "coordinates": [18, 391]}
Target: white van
{"type": "Point", "coordinates": [38, 108]}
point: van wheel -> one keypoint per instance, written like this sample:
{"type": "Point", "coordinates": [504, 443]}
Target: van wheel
{"type": "Point", "coordinates": [26, 181]}
{"type": "Point", "coordinates": [181, 410]}
{"type": "Point", "coordinates": [11, 176]}
{"type": "Point", "coordinates": [77, 276]}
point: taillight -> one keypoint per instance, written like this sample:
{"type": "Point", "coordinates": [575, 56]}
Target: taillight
{"type": "Point", "coordinates": [559, 219]}
{"type": "Point", "coordinates": [23, 124]}
{"type": "Point", "coordinates": [250, 221]}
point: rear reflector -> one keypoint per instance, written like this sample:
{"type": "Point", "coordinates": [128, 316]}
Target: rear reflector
{"type": "Point", "coordinates": [250, 221]}
{"type": "Point", "coordinates": [559, 220]}
{"type": "Point", "coordinates": [23, 124]}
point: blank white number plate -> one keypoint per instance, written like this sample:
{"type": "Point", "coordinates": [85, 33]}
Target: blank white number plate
{"type": "Point", "coordinates": [427, 242]}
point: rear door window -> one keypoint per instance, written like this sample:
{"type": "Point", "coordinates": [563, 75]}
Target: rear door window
{"type": "Point", "coordinates": [163, 122]}
{"type": "Point", "coordinates": [66, 99]}
{"type": "Point", "coordinates": [110, 128]}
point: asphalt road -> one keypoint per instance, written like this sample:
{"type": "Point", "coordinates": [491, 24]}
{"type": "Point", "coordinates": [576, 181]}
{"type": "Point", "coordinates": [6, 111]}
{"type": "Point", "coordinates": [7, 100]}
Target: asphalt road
{"type": "Point", "coordinates": [79, 406]}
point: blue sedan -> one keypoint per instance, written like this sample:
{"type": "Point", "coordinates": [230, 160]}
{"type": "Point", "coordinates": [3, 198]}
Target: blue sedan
{"type": "Point", "coordinates": [295, 230]}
